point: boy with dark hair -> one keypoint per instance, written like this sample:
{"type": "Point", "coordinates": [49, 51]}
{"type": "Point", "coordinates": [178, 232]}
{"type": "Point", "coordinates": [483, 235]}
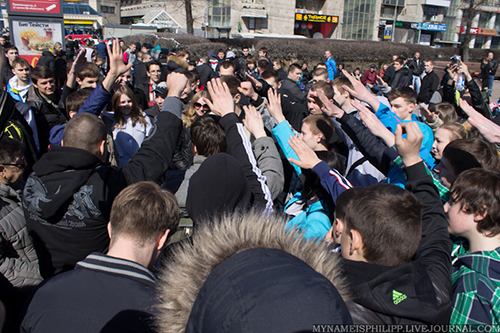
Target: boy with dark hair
{"type": "Point", "coordinates": [208, 139]}
{"type": "Point", "coordinates": [43, 97]}
{"type": "Point", "coordinates": [89, 76]}
{"type": "Point", "coordinates": [227, 67]}
{"type": "Point", "coordinates": [474, 214]}
{"type": "Point", "coordinates": [395, 243]}
{"type": "Point", "coordinates": [115, 291]}
{"type": "Point", "coordinates": [11, 53]}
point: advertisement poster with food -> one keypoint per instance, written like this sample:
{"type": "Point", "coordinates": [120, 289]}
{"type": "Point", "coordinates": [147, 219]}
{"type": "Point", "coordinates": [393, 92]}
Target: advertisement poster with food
{"type": "Point", "coordinates": [32, 38]}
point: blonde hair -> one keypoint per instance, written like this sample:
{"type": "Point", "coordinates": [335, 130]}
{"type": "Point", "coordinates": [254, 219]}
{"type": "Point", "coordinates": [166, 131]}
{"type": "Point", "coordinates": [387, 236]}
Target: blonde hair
{"type": "Point", "coordinates": [189, 116]}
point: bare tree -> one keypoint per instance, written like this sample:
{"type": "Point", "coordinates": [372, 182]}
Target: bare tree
{"type": "Point", "coordinates": [189, 17]}
{"type": "Point", "coordinates": [470, 9]}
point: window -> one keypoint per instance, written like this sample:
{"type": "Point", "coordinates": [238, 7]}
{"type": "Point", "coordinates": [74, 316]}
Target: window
{"type": "Point", "coordinates": [108, 9]}
{"type": "Point", "coordinates": [359, 19]}
{"type": "Point", "coordinates": [220, 13]}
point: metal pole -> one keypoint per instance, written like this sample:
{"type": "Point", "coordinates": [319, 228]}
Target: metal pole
{"type": "Point", "coordinates": [394, 23]}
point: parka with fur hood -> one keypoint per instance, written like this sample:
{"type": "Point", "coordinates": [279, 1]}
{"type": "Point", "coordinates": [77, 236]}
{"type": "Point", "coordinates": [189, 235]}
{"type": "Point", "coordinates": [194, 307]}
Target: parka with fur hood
{"type": "Point", "coordinates": [247, 273]}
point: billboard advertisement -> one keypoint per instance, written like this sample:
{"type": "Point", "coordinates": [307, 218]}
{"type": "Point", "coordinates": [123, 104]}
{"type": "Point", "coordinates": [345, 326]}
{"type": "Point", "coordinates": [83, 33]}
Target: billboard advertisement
{"type": "Point", "coordinates": [35, 7]}
{"type": "Point", "coordinates": [32, 37]}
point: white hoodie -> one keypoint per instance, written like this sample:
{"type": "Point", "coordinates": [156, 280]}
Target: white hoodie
{"type": "Point", "coordinates": [14, 87]}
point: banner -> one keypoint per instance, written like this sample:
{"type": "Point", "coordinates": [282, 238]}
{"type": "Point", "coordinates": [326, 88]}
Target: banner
{"type": "Point", "coordinates": [479, 31]}
{"type": "Point", "coordinates": [316, 18]}
{"type": "Point", "coordinates": [52, 8]}
{"type": "Point", "coordinates": [32, 37]}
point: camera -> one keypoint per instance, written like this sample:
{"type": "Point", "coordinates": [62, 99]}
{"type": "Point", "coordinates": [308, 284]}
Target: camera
{"type": "Point", "coordinates": [455, 59]}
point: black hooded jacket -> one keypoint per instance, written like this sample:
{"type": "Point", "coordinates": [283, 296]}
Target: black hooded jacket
{"type": "Point", "coordinates": [415, 292]}
{"type": "Point", "coordinates": [67, 199]}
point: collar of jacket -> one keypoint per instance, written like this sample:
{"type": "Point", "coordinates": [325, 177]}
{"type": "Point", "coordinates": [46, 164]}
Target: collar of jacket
{"type": "Point", "coordinates": [219, 239]}
{"type": "Point", "coordinates": [116, 266]}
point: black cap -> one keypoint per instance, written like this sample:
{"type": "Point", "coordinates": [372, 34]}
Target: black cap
{"type": "Point", "coordinates": [373, 66]}
{"type": "Point", "coordinates": [161, 91]}
{"type": "Point", "coordinates": [404, 55]}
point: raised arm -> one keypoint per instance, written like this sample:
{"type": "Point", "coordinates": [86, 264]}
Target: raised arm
{"type": "Point", "coordinates": [238, 144]}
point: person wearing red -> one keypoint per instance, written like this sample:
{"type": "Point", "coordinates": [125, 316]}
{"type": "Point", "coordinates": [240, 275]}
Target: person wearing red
{"type": "Point", "coordinates": [370, 80]}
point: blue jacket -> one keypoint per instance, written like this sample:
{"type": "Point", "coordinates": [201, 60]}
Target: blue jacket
{"type": "Point", "coordinates": [391, 120]}
{"type": "Point", "coordinates": [314, 220]}
{"type": "Point", "coordinates": [332, 68]}
{"type": "Point", "coordinates": [95, 103]}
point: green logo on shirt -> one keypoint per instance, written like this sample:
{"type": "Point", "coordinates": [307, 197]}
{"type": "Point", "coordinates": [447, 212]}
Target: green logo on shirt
{"type": "Point", "coordinates": [397, 297]}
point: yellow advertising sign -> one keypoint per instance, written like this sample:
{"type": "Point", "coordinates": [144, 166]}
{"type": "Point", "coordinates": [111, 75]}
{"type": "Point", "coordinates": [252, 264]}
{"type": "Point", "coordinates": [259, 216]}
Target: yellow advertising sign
{"type": "Point", "coordinates": [316, 18]}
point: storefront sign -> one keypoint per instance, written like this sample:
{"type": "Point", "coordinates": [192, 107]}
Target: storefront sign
{"type": "Point", "coordinates": [479, 31]}
{"type": "Point", "coordinates": [33, 37]}
{"type": "Point", "coordinates": [316, 18]}
{"type": "Point", "coordinates": [51, 8]}
{"type": "Point", "coordinates": [387, 32]}
{"type": "Point", "coordinates": [431, 26]}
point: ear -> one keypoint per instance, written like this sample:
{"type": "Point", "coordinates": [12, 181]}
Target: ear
{"type": "Point", "coordinates": [102, 147]}
{"type": "Point", "coordinates": [195, 150]}
{"type": "Point", "coordinates": [78, 81]}
{"type": "Point", "coordinates": [237, 98]}
{"type": "Point", "coordinates": [71, 114]}
{"type": "Point", "coordinates": [412, 107]}
{"type": "Point", "coordinates": [481, 214]}
{"type": "Point", "coordinates": [109, 229]}
{"type": "Point", "coordinates": [339, 226]}
{"type": "Point", "coordinates": [160, 242]}
{"type": "Point", "coordinates": [13, 71]}
{"type": "Point", "coordinates": [356, 244]}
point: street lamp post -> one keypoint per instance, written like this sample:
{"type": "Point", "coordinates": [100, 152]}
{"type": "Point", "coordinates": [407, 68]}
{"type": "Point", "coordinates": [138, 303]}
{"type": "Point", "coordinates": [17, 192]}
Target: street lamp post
{"type": "Point", "coordinates": [394, 23]}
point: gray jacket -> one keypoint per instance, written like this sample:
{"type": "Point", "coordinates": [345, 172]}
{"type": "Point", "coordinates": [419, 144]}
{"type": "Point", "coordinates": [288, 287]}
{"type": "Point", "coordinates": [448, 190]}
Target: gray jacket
{"type": "Point", "coordinates": [269, 162]}
{"type": "Point", "coordinates": [18, 259]}
{"type": "Point", "coordinates": [182, 192]}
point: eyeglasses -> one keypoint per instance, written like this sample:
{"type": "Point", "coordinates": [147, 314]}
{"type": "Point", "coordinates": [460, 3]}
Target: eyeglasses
{"type": "Point", "coordinates": [199, 105]}
{"type": "Point", "coordinates": [21, 165]}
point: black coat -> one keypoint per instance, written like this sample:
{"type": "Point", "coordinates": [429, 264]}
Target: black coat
{"type": "Point", "coordinates": [48, 60]}
{"type": "Point", "coordinates": [292, 91]}
{"type": "Point", "coordinates": [67, 199]}
{"type": "Point", "coordinates": [430, 84]}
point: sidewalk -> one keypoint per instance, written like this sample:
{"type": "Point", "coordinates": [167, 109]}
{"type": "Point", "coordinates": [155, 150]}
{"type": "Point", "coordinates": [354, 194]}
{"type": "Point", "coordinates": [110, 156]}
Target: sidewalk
{"type": "Point", "coordinates": [495, 95]}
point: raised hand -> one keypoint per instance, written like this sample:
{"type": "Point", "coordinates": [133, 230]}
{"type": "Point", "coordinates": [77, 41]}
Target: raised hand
{"type": "Point", "coordinates": [307, 157]}
{"type": "Point", "coordinates": [486, 127]}
{"type": "Point", "coordinates": [247, 90]}
{"type": "Point", "coordinates": [222, 102]}
{"type": "Point", "coordinates": [274, 106]}
{"type": "Point", "coordinates": [360, 92]}
{"type": "Point", "coordinates": [329, 108]}
{"type": "Point", "coordinates": [409, 148]}
{"type": "Point", "coordinates": [176, 83]}
{"type": "Point", "coordinates": [431, 117]}
{"type": "Point", "coordinates": [116, 65]}
{"type": "Point", "coordinates": [255, 83]}
{"type": "Point", "coordinates": [374, 124]}
{"type": "Point", "coordinates": [253, 122]}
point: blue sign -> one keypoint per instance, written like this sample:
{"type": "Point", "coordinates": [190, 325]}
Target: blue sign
{"type": "Point", "coordinates": [431, 26]}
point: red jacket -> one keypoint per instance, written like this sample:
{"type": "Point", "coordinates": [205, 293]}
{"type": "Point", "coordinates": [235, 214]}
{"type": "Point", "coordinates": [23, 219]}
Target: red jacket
{"type": "Point", "coordinates": [369, 77]}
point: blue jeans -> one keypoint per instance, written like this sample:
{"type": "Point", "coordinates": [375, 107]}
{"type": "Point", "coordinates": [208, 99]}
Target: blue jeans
{"type": "Point", "coordinates": [490, 83]}
{"type": "Point", "coordinates": [416, 83]}
{"type": "Point", "coordinates": [375, 89]}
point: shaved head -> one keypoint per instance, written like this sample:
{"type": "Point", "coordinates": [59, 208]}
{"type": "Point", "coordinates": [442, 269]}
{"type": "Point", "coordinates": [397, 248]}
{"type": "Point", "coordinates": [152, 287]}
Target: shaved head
{"type": "Point", "coordinates": [85, 131]}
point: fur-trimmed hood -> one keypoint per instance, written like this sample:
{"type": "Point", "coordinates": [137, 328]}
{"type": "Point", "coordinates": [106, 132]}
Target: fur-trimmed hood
{"type": "Point", "coordinates": [189, 266]}
{"type": "Point", "coordinates": [174, 63]}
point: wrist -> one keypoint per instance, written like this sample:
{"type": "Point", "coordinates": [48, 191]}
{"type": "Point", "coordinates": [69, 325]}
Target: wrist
{"type": "Point", "coordinates": [411, 160]}
{"type": "Point", "coordinates": [260, 133]}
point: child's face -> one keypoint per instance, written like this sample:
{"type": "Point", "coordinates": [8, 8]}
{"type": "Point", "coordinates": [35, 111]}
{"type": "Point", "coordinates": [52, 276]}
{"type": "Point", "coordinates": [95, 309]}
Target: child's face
{"type": "Point", "coordinates": [337, 232]}
{"type": "Point", "coordinates": [460, 222]}
{"type": "Point", "coordinates": [251, 67]}
{"type": "Point", "coordinates": [402, 108]}
{"type": "Point", "coordinates": [441, 139]}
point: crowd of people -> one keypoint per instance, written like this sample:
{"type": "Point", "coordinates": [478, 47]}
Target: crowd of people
{"type": "Point", "coordinates": [143, 190]}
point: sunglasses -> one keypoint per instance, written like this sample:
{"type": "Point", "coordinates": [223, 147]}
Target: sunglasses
{"type": "Point", "coordinates": [204, 106]}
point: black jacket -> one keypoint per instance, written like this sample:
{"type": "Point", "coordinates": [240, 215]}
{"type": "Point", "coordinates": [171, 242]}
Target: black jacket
{"type": "Point", "coordinates": [416, 292]}
{"type": "Point", "coordinates": [402, 78]}
{"type": "Point", "coordinates": [292, 91]}
{"type": "Point", "coordinates": [416, 66]}
{"type": "Point", "coordinates": [68, 197]}
{"type": "Point", "coordinates": [430, 84]}
{"type": "Point", "coordinates": [102, 294]}
{"type": "Point", "coordinates": [48, 60]}
{"type": "Point", "coordinates": [140, 74]}
{"type": "Point", "coordinates": [476, 99]}
{"type": "Point", "coordinates": [206, 73]}
{"type": "Point", "coordinates": [493, 66]}
{"type": "Point", "coordinates": [47, 114]}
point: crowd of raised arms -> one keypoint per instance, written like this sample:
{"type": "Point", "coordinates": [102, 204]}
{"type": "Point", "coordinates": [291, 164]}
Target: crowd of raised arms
{"type": "Point", "coordinates": [144, 192]}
